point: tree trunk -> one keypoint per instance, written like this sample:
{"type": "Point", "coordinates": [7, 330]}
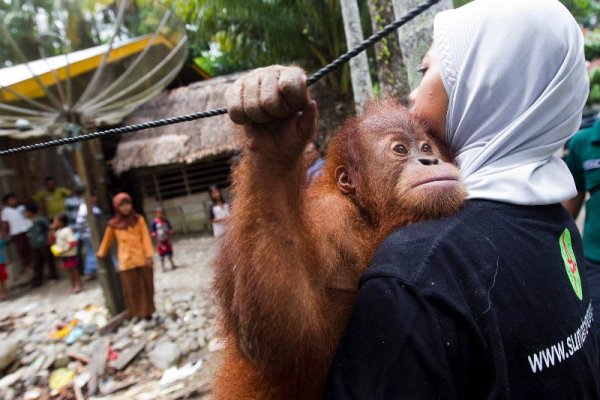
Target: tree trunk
{"type": "Point", "coordinates": [359, 65]}
{"type": "Point", "coordinates": [417, 35]}
{"type": "Point", "coordinates": [391, 70]}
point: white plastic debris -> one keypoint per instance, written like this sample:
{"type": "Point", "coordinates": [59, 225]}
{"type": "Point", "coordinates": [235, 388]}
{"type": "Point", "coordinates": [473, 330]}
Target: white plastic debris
{"type": "Point", "coordinates": [175, 374]}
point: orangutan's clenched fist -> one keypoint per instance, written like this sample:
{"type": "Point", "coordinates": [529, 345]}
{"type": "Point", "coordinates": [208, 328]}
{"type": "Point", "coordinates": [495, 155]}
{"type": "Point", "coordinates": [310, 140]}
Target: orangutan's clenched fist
{"type": "Point", "coordinates": [275, 108]}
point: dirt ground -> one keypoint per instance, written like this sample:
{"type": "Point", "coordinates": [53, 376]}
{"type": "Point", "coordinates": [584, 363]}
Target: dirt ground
{"type": "Point", "coordinates": [193, 254]}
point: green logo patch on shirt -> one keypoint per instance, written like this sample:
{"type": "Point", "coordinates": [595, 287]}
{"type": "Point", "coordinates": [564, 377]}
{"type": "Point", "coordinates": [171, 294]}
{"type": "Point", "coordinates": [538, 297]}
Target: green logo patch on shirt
{"type": "Point", "coordinates": [566, 250]}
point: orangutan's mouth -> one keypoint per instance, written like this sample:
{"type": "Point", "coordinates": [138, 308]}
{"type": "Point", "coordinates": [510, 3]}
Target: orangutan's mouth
{"type": "Point", "coordinates": [437, 180]}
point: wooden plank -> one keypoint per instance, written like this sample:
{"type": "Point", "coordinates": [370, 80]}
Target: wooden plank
{"type": "Point", "coordinates": [156, 186]}
{"type": "Point", "coordinates": [168, 185]}
{"type": "Point", "coordinates": [78, 356]}
{"type": "Point", "coordinates": [113, 323]}
{"type": "Point", "coordinates": [217, 170]}
{"type": "Point", "coordinates": [77, 392]}
{"type": "Point", "coordinates": [115, 387]}
{"type": "Point", "coordinates": [190, 389]}
{"type": "Point", "coordinates": [222, 168]}
{"type": "Point", "coordinates": [169, 179]}
{"type": "Point", "coordinates": [98, 364]}
{"type": "Point", "coordinates": [186, 181]}
{"type": "Point", "coordinates": [128, 355]}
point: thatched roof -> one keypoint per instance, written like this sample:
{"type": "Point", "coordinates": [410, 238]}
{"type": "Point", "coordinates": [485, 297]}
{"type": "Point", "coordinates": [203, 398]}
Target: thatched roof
{"type": "Point", "coordinates": [184, 142]}
{"type": "Point", "coordinates": [187, 142]}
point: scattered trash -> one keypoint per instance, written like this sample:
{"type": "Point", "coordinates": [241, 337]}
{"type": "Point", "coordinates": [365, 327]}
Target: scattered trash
{"type": "Point", "coordinates": [85, 321]}
{"type": "Point", "coordinates": [74, 334]}
{"type": "Point", "coordinates": [63, 330]}
{"type": "Point", "coordinates": [60, 378]}
{"type": "Point", "coordinates": [113, 355]}
{"type": "Point", "coordinates": [106, 385]}
{"type": "Point", "coordinates": [33, 394]}
{"type": "Point", "coordinates": [175, 374]}
{"type": "Point", "coordinates": [215, 345]}
{"type": "Point", "coordinates": [8, 352]}
{"type": "Point", "coordinates": [79, 352]}
{"type": "Point", "coordinates": [9, 380]}
{"type": "Point", "coordinates": [29, 307]}
{"type": "Point", "coordinates": [92, 315]}
{"type": "Point", "coordinates": [110, 385]}
{"type": "Point", "coordinates": [79, 357]}
{"type": "Point", "coordinates": [168, 306]}
{"type": "Point", "coordinates": [82, 379]}
{"type": "Point", "coordinates": [128, 355]}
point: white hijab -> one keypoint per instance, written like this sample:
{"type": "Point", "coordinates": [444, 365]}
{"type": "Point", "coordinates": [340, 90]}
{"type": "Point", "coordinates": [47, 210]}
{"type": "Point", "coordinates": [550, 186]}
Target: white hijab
{"type": "Point", "coordinates": [515, 75]}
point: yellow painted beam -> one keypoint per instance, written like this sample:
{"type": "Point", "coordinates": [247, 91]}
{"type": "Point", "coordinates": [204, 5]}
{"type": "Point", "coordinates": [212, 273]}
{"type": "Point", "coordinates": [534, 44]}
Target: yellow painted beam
{"type": "Point", "coordinates": [32, 89]}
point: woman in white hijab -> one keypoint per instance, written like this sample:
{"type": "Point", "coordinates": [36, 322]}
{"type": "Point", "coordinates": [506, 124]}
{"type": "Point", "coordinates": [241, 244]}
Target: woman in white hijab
{"type": "Point", "coordinates": [491, 303]}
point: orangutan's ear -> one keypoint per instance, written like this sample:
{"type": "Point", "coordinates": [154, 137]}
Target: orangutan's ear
{"type": "Point", "coordinates": [344, 181]}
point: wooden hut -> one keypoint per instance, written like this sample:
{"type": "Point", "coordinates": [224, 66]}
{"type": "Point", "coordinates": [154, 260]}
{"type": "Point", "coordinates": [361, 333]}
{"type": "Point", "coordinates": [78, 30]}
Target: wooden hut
{"type": "Point", "coordinates": [174, 165]}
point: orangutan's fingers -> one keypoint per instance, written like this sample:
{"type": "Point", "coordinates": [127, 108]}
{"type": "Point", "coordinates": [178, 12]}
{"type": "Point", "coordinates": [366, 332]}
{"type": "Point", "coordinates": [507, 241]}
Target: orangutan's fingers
{"type": "Point", "coordinates": [292, 85]}
{"type": "Point", "coordinates": [271, 100]}
{"type": "Point", "coordinates": [252, 108]}
{"type": "Point", "coordinates": [307, 123]}
{"type": "Point", "coordinates": [234, 98]}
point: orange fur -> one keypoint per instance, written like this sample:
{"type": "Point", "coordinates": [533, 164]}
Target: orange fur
{"type": "Point", "coordinates": [287, 270]}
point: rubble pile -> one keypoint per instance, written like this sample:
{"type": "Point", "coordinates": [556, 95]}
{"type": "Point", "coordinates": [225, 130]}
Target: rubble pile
{"type": "Point", "coordinates": [53, 355]}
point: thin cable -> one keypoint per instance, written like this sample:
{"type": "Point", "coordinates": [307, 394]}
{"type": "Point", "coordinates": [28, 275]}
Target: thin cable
{"type": "Point", "coordinates": [370, 41]}
{"type": "Point", "coordinates": [115, 131]}
{"type": "Point", "coordinates": [338, 62]}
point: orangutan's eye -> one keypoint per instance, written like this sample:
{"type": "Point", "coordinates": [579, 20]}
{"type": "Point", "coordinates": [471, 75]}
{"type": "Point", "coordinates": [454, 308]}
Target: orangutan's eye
{"type": "Point", "coordinates": [426, 148]}
{"type": "Point", "coordinates": [400, 149]}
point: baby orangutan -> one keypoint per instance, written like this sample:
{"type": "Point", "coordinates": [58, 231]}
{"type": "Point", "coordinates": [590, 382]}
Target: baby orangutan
{"type": "Point", "coordinates": [288, 268]}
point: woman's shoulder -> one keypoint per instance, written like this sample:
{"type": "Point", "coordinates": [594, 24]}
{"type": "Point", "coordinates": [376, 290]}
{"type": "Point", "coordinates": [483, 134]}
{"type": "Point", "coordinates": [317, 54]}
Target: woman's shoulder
{"type": "Point", "coordinates": [410, 251]}
{"type": "Point", "coordinates": [409, 248]}
{"type": "Point", "coordinates": [141, 223]}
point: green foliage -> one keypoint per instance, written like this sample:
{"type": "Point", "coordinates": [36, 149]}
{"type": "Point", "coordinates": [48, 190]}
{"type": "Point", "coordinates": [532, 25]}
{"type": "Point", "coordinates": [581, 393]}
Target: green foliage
{"type": "Point", "coordinates": [458, 3]}
{"type": "Point", "coordinates": [592, 45]}
{"type": "Point", "coordinates": [69, 26]}
{"type": "Point", "coordinates": [218, 64]}
{"type": "Point", "coordinates": [584, 11]}
{"type": "Point", "coordinates": [16, 20]}
{"type": "Point", "coordinates": [252, 33]}
{"type": "Point", "coordinates": [594, 97]}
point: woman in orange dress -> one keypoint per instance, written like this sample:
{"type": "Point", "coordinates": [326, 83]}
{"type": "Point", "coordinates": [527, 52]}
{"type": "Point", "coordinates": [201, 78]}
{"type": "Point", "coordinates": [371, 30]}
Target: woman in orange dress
{"type": "Point", "coordinates": [134, 256]}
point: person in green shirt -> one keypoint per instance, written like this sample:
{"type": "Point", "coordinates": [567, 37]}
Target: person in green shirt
{"type": "Point", "coordinates": [583, 159]}
{"type": "Point", "coordinates": [52, 199]}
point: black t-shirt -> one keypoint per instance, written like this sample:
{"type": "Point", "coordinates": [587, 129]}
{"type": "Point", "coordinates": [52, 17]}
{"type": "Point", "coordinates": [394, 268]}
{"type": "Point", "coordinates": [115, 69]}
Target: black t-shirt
{"type": "Point", "coordinates": [489, 304]}
{"type": "Point", "coordinates": [38, 233]}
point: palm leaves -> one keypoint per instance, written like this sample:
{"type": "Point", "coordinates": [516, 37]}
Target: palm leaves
{"type": "Point", "coordinates": [252, 33]}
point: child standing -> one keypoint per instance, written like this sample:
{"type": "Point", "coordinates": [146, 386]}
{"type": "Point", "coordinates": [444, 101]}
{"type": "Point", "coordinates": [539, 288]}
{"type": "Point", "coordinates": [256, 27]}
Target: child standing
{"type": "Point", "coordinates": [39, 233]}
{"type": "Point", "coordinates": [219, 211]}
{"type": "Point", "coordinates": [3, 269]}
{"type": "Point", "coordinates": [16, 225]}
{"type": "Point", "coordinates": [134, 254]}
{"type": "Point", "coordinates": [162, 230]}
{"type": "Point", "coordinates": [85, 238]}
{"type": "Point", "coordinates": [65, 247]}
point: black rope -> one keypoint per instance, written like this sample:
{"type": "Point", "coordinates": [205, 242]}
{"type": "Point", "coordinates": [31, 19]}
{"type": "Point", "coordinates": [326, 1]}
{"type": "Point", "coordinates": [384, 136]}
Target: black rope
{"type": "Point", "coordinates": [370, 41]}
{"type": "Point", "coordinates": [338, 62]}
